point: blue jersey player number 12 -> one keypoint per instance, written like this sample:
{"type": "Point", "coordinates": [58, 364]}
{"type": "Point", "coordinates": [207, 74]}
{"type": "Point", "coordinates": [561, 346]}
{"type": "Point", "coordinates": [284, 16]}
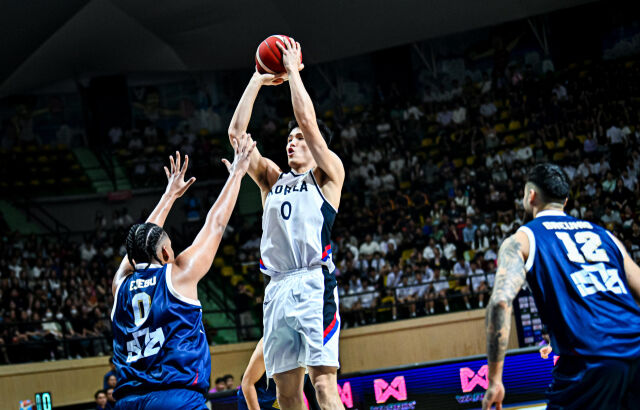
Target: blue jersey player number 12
{"type": "Point", "coordinates": [586, 288]}
{"type": "Point", "coordinates": [160, 348]}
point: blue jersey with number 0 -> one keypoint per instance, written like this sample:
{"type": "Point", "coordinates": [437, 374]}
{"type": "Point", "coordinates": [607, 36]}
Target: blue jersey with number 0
{"type": "Point", "coordinates": [576, 274]}
{"type": "Point", "coordinates": [158, 335]}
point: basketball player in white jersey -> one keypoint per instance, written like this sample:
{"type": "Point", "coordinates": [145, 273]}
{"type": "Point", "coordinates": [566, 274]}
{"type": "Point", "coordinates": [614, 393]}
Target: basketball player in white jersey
{"type": "Point", "coordinates": [301, 320]}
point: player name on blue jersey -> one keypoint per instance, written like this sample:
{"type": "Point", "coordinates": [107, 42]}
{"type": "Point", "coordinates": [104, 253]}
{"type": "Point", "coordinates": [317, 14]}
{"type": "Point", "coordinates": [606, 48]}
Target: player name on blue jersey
{"type": "Point", "coordinates": [142, 283]}
{"type": "Point", "coordinates": [567, 226]}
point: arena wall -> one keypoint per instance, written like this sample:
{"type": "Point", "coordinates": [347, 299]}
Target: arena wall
{"type": "Point", "coordinates": [365, 348]}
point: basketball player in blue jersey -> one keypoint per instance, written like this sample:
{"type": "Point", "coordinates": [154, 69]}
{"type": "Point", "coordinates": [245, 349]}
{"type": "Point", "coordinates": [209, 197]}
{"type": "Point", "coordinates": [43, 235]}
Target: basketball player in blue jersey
{"type": "Point", "coordinates": [301, 320]}
{"type": "Point", "coordinates": [159, 346]}
{"type": "Point", "coordinates": [586, 287]}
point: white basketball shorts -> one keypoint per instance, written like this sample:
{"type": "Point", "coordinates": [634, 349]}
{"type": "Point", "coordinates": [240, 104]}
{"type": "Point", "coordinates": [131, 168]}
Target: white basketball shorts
{"type": "Point", "coordinates": [301, 320]}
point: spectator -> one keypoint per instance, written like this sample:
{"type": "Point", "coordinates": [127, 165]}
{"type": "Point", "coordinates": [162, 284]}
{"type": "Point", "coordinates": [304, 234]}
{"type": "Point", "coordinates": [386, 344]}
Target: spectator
{"type": "Point", "coordinates": [491, 254]}
{"type": "Point", "coordinates": [524, 153]}
{"type": "Point", "coordinates": [406, 296]}
{"type": "Point", "coordinates": [488, 109]}
{"type": "Point", "coordinates": [111, 402]}
{"type": "Point", "coordinates": [369, 247]}
{"type": "Point", "coordinates": [112, 381]}
{"type": "Point", "coordinates": [368, 301]}
{"type": "Point", "coordinates": [560, 92]}
{"type": "Point", "coordinates": [459, 115]}
{"type": "Point", "coordinates": [101, 400]}
{"type": "Point", "coordinates": [220, 385]}
{"type": "Point", "coordinates": [485, 84]}
{"type": "Point", "coordinates": [469, 232]}
{"type": "Point", "coordinates": [111, 372]}
{"type": "Point", "coordinates": [229, 382]}
{"type": "Point", "coordinates": [449, 249]}
{"type": "Point", "coordinates": [462, 271]}
{"type": "Point", "coordinates": [478, 283]}
{"type": "Point", "coordinates": [438, 291]}
{"type": "Point", "coordinates": [349, 304]}
{"type": "Point", "coordinates": [429, 251]}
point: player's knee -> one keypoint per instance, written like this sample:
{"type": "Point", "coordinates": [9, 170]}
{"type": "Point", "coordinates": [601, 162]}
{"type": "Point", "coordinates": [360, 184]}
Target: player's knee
{"type": "Point", "coordinates": [289, 400]}
{"type": "Point", "coordinates": [325, 391]}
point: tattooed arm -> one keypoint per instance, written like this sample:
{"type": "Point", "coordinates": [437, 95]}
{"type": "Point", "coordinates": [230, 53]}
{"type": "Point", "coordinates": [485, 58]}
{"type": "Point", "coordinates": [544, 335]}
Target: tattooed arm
{"type": "Point", "coordinates": [510, 277]}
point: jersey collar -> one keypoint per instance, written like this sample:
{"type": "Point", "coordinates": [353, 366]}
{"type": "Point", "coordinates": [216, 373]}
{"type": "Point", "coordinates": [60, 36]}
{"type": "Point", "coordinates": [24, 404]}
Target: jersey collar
{"type": "Point", "coordinates": [550, 212]}
{"type": "Point", "coordinates": [144, 265]}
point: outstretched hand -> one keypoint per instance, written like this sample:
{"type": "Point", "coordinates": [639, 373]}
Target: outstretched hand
{"type": "Point", "coordinates": [291, 55]}
{"type": "Point", "coordinates": [243, 146]}
{"type": "Point", "coordinates": [176, 185]}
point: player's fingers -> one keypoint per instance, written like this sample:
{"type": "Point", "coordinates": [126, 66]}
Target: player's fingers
{"type": "Point", "coordinates": [292, 43]}
{"type": "Point", "coordinates": [173, 164]}
{"type": "Point", "coordinates": [298, 46]}
{"type": "Point", "coordinates": [301, 67]}
{"type": "Point", "coordinates": [185, 166]}
{"type": "Point", "coordinates": [166, 171]}
{"type": "Point", "coordinates": [226, 164]}
{"type": "Point", "coordinates": [177, 161]}
{"type": "Point", "coordinates": [190, 182]}
{"type": "Point", "coordinates": [281, 46]}
{"type": "Point", "coordinates": [245, 142]}
{"type": "Point", "coordinates": [253, 146]}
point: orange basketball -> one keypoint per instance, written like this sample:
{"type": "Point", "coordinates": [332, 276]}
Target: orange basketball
{"type": "Point", "coordinates": [269, 56]}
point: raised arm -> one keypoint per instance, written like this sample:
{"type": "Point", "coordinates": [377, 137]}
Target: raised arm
{"type": "Point", "coordinates": [305, 115]}
{"type": "Point", "coordinates": [510, 277]}
{"type": "Point", "coordinates": [255, 370]}
{"type": "Point", "coordinates": [262, 170]}
{"type": "Point", "coordinates": [176, 187]}
{"type": "Point", "coordinates": [195, 261]}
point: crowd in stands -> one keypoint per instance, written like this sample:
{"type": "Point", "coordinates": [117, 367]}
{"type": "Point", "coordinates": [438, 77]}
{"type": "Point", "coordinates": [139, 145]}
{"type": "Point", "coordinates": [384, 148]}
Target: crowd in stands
{"type": "Point", "coordinates": [53, 291]}
{"type": "Point", "coordinates": [434, 185]}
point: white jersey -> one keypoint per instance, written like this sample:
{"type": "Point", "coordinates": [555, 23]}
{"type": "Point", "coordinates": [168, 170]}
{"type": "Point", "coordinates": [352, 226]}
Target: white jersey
{"type": "Point", "coordinates": [296, 226]}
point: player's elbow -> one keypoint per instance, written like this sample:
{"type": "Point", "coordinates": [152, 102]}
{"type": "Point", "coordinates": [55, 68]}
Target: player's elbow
{"type": "Point", "coordinates": [245, 384]}
{"type": "Point", "coordinates": [499, 302]}
{"type": "Point", "coordinates": [233, 133]}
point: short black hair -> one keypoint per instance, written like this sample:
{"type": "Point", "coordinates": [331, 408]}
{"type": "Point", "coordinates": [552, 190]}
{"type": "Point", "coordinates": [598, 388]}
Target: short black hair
{"type": "Point", "coordinates": [325, 131]}
{"type": "Point", "coordinates": [219, 380]}
{"type": "Point", "coordinates": [95, 396]}
{"type": "Point", "coordinates": [227, 376]}
{"type": "Point", "coordinates": [551, 181]}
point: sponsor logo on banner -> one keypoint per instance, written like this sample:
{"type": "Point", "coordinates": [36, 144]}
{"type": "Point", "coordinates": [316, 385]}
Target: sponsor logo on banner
{"type": "Point", "coordinates": [345, 395]}
{"type": "Point", "coordinates": [469, 379]}
{"type": "Point", "coordinates": [397, 388]}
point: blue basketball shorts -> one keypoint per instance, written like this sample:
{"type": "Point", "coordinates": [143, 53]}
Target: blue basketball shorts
{"type": "Point", "coordinates": [175, 399]}
{"type": "Point", "coordinates": [595, 383]}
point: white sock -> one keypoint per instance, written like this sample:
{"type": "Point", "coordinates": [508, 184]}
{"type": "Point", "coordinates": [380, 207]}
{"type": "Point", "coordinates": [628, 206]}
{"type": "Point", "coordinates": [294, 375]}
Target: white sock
{"type": "Point", "coordinates": [446, 307]}
{"type": "Point", "coordinates": [468, 305]}
{"type": "Point", "coordinates": [481, 304]}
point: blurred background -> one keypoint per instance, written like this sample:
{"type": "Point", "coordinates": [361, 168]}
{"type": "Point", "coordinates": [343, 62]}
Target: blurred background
{"type": "Point", "coordinates": [438, 109]}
